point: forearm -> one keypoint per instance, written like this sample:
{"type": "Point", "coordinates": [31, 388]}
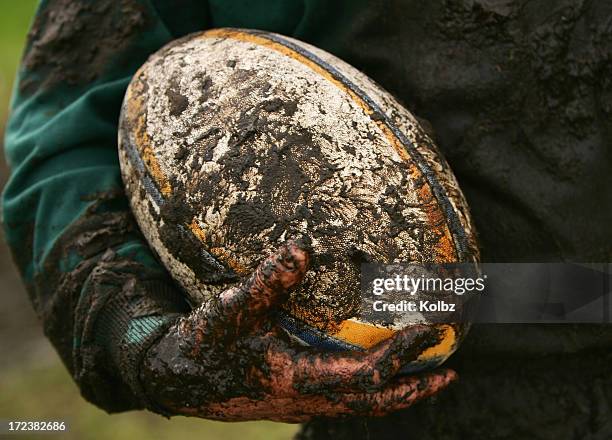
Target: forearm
{"type": "Point", "coordinates": [65, 215]}
{"type": "Point", "coordinates": [121, 302]}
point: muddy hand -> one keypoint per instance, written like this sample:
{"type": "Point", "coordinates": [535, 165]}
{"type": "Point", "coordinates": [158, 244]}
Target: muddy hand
{"type": "Point", "coordinates": [227, 361]}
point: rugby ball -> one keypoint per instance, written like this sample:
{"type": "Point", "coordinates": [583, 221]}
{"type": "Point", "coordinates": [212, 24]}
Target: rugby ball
{"type": "Point", "coordinates": [232, 141]}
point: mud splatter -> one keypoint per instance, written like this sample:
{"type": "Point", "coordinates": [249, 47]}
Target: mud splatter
{"type": "Point", "coordinates": [177, 103]}
{"type": "Point", "coordinates": [73, 42]}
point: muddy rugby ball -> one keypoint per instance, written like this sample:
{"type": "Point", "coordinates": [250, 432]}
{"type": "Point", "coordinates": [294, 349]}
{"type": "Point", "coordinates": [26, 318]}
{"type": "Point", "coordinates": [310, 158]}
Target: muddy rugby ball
{"type": "Point", "coordinates": [232, 141]}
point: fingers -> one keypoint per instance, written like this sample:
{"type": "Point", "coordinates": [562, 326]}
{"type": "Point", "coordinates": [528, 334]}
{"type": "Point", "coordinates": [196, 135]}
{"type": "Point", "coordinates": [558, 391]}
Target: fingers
{"type": "Point", "coordinates": [248, 304]}
{"type": "Point", "coordinates": [406, 392]}
{"type": "Point", "coordinates": [402, 394]}
{"type": "Point", "coordinates": [309, 372]}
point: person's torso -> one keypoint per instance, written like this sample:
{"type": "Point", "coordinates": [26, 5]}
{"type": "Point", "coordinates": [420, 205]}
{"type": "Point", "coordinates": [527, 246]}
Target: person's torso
{"type": "Point", "coordinates": [516, 94]}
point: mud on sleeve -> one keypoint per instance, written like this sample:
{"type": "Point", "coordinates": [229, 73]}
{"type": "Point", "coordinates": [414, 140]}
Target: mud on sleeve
{"type": "Point", "coordinates": [91, 277]}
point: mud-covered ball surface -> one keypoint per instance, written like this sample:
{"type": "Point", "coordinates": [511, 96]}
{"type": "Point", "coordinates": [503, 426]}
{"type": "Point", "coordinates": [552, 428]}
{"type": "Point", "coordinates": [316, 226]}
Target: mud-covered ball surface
{"type": "Point", "coordinates": [232, 142]}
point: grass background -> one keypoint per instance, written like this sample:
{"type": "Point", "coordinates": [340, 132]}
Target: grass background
{"type": "Point", "coordinates": [33, 383]}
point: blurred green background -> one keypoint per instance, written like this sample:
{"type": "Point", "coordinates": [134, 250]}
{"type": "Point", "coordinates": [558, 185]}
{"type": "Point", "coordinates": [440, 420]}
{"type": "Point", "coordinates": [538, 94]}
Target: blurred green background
{"type": "Point", "coordinates": [33, 383]}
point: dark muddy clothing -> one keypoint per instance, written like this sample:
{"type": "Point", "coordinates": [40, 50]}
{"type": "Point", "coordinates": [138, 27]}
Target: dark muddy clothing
{"type": "Point", "coordinates": [519, 94]}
